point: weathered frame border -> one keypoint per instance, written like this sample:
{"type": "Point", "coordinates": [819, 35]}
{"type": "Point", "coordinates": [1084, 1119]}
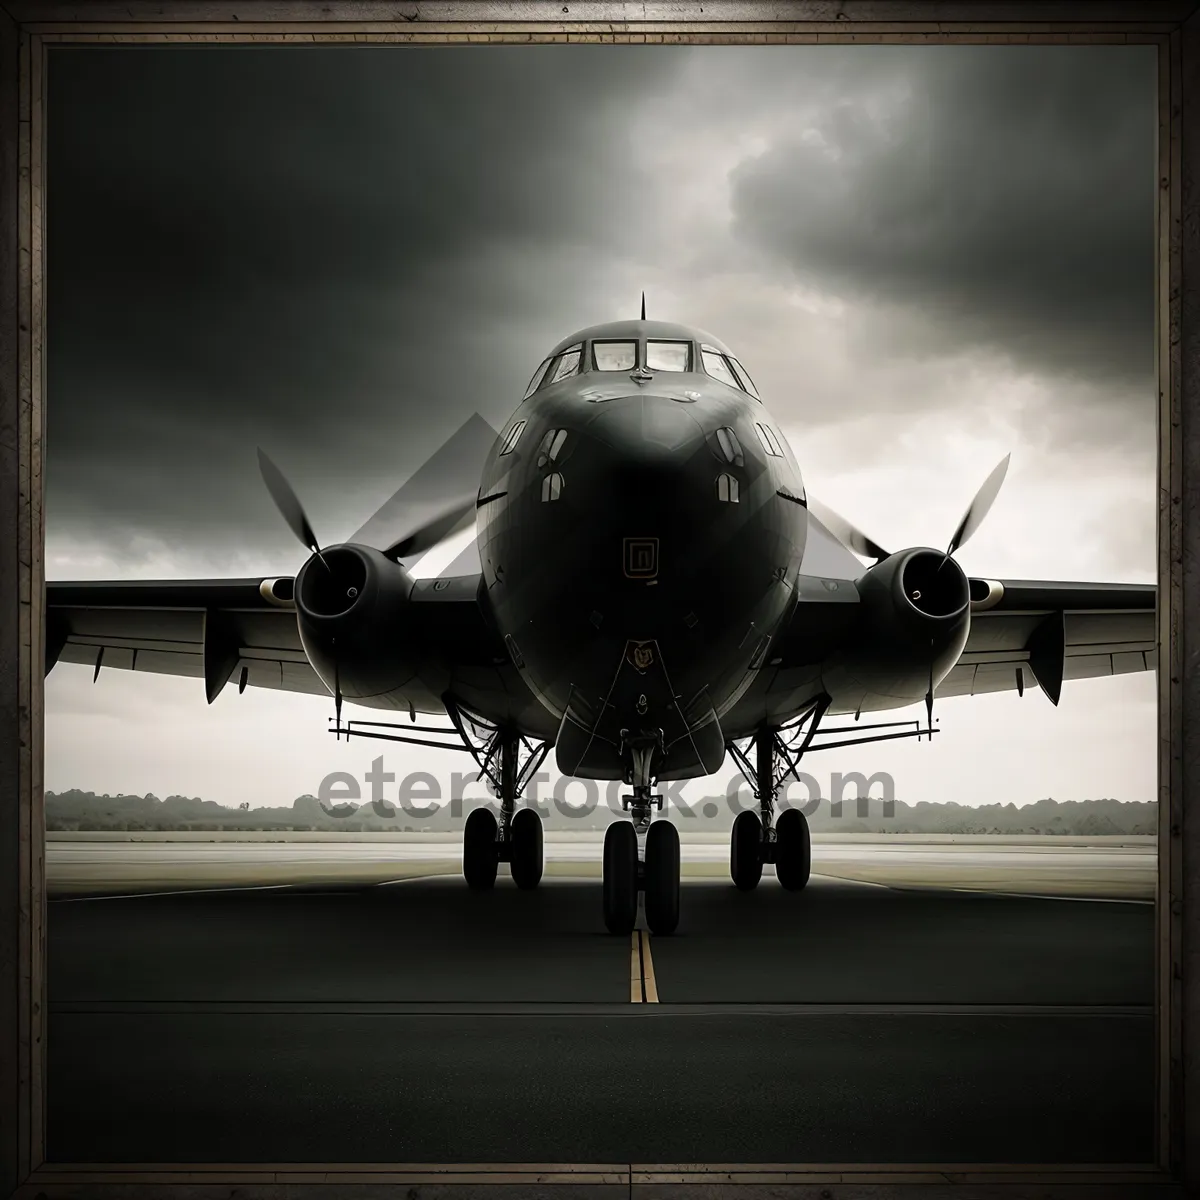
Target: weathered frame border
{"type": "Point", "coordinates": [29, 29]}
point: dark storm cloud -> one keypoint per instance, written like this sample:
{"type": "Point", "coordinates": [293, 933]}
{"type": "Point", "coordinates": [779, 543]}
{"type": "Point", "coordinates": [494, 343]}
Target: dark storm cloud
{"type": "Point", "coordinates": [341, 254]}
{"type": "Point", "coordinates": [338, 253]}
{"type": "Point", "coordinates": [1004, 198]}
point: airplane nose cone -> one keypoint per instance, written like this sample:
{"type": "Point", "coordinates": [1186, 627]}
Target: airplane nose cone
{"type": "Point", "coordinates": [649, 464]}
{"type": "Point", "coordinates": [647, 430]}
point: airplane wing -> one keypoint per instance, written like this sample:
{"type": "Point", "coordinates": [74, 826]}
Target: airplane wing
{"type": "Point", "coordinates": [211, 629]}
{"type": "Point", "coordinates": [240, 631]}
{"type": "Point", "coordinates": [1028, 633]}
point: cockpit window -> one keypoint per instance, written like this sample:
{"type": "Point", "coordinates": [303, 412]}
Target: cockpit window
{"type": "Point", "coordinates": [614, 356]}
{"type": "Point", "coordinates": [537, 379]}
{"type": "Point", "coordinates": [718, 368]}
{"type": "Point", "coordinates": [561, 366]}
{"type": "Point", "coordinates": [669, 356]}
{"type": "Point", "coordinates": [511, 438]}
{"type": "Point", "coordinates": [744, 378]}
{"type": "Point", "coordinates": [565, 365]}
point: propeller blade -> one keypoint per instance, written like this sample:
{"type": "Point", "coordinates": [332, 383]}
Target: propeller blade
{"type": "Point", "coordinates": [433, 527]}
{"type": "Point", "coordinates": [447, 479]}
{"type": "Point", "coordinates": [980, 506]}
{"type": "Point", "coordinates": [849, 535]}
{"type": "Point", "coordinates": [287, 502]}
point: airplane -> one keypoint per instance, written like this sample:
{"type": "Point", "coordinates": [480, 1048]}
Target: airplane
{"type": "Point", "coordinates": [650, 588]}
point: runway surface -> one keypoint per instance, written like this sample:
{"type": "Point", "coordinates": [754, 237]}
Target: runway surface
{"type": "Point", "coordinates": [420, 1022]}
{"type": "Point", "coordinates": [1113, 868]}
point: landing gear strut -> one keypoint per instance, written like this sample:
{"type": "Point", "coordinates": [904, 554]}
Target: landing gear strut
{"type": "Point", "coordinates": [641, 856]}
{"type": "Point", "coordinates": [761, 837]}
{"type": "Point", "coordinates": [516, 838]}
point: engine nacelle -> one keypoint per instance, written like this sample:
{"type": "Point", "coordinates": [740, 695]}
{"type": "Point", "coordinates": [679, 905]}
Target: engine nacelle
{"type": "Point", "coordinates": [353, 607]}
{"type": "Point", "coordinates": [915, 612]}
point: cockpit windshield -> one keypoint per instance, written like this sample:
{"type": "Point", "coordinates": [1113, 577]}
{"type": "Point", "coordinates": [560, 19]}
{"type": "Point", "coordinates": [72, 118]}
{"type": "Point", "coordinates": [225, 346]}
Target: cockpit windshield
{"type": "Point", "coordinates": [614, 356]}
{"type": "Point", "coordinates": [669, 356]}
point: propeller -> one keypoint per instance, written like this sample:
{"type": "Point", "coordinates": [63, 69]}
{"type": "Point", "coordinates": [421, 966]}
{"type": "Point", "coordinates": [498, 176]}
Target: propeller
{"type": "Point", "coordinates": [424, 514]}
{"type": "Point", "coordinates": [849, 535]}
{"type": "Point", "coordinates": [436, 500]}
{"type": "Point", "coordinates": [430, 507]}
{"type": "Point", "coordinates": [288, 504]}
{"type": "Point", "coordinates": [435, 525]}
{"type": "Point", "coordinates": [293, 513]}
{"type": "Point", "coordinates": [980, 506]}
{"type": "Point", "coordinates": [854, 539]}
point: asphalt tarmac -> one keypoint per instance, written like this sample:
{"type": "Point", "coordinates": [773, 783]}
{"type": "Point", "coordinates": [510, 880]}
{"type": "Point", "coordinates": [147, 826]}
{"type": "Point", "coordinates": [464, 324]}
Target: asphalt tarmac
{"type": "Point", "coordinates": [420, 1022]}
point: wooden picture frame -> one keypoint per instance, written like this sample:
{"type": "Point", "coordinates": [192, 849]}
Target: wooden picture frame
{"type": "Point", "coordinates": [30, 30]}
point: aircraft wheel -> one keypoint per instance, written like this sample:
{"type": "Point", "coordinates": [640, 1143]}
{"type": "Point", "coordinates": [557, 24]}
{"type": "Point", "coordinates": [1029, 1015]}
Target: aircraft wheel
{"type": "Point", "coordinates": [662, 877]}
{"type": "Point", "coordinates": [620, 877]}
{"type": "Point", "coordinates": [481, 852]}
{"type": "Point", "coordinates": [525, 852]}
{"type": "Point", "coordinates": [746, 851]}
{"type": "Point", "coordinates": [793, 849]}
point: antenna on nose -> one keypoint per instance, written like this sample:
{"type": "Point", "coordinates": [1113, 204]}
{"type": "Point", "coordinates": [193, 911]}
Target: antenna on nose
{"type": "Point", "coordinates": [643, 306]}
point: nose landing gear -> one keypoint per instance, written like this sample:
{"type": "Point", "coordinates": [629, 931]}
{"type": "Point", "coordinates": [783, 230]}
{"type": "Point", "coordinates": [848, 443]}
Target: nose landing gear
{"type": "Point", "coordinates": [641, 855]}
{"type": "Point", "coordinates": [622, 872]}
{"type": "Point", "coordinates": [660, 877]}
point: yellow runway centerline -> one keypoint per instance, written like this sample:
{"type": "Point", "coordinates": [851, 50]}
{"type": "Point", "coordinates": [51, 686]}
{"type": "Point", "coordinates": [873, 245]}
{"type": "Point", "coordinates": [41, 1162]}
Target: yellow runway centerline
{"type": "Point", "coordinates": [643, 989]}
{"type": "Point", "coordinates": [649, 986]}
{"type": "Point", "coordinates": [636, 995]}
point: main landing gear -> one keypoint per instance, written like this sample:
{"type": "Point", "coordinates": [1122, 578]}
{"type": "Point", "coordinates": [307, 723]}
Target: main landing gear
{"type": "Point", "coordinates": [485, 846]}
{"type": "Point", "coordinates": [516, 838]}
{"type": "Point", "coordinates": [761, 837]}
{"type": "Point", "coordinates": [654, 870]}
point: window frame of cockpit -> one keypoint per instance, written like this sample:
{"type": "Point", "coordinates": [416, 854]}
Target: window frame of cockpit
{"type": "Point", "coordinates": [743, 377]}
{"type": "Point", "coordinates": [696, 364]}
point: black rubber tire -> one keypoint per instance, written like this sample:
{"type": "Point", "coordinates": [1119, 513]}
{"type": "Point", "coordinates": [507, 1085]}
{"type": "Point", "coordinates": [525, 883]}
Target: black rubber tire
{"type": "Point", "coordinates": [746, 851]}
{"type": "Point", "coordinates": [525, 848]}
{"type": "Point", "coordinates": [793, 849]}
{"type": "Point", "coordinates": [620, 877]}
{"type": "Point", "coordinates": [662, 877]}
{"type": "Point", "coordinates": [481, 851]}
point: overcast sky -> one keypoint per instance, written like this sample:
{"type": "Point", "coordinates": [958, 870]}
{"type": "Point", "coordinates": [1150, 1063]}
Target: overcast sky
{"type": "Point", "coordinates": [926, 256]}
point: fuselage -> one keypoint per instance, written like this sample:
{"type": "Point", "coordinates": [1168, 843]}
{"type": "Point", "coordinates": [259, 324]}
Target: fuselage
{"type": "Point", "coordinates": [652, 585]}
{"type": "Point", "coordinates": [641, 523]}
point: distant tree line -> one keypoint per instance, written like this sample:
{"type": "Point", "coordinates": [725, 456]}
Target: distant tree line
{"type": "Point", "coordinates": [78, 810]}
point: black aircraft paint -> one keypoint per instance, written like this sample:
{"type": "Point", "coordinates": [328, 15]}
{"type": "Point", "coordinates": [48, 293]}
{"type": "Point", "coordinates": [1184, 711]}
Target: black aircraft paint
{"type": "Point", "coordinates": [655, 590]}
{"type": "Point", "coordinates": [642, 546]}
